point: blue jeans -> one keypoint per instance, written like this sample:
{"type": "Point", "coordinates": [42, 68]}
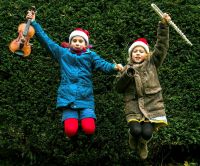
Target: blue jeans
{"type": "Point", "coordinates": [80, 113]}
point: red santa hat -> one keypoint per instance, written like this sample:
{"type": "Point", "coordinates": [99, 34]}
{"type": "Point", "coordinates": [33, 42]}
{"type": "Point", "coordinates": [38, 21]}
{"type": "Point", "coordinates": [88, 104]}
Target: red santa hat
{"type": "Point", "coordinates": [139, 42]}
{"type": "Point", "coordinates": [80, 32]}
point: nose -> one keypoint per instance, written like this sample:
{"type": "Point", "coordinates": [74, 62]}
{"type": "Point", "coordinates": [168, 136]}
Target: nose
{"type": "Point", "coordinates": [138, 53]}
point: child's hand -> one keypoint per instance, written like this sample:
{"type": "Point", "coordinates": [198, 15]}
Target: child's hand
{"type": "Point", "coordinates": [30, 15]}
{"type": "Point", "coordinates": [166, 18]}
{"type": "Point", "coordinates": [119, 67]}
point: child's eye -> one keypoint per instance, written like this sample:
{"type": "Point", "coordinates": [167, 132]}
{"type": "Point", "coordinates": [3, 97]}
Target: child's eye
{"type": "Point", "coordinates": [74, 40]}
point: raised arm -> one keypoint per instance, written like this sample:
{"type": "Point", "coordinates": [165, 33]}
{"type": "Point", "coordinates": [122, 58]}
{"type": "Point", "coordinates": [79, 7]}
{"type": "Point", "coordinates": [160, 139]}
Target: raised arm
{"type": "Point", "coordinates": [162, 44]}
{"type": "Point", "coordinates": [48, 43]}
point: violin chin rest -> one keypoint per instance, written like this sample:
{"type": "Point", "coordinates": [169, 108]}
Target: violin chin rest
{"type": "Point", "coordinates": [19, 52]}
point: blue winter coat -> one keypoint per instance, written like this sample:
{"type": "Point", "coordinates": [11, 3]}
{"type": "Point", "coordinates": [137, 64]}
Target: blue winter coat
{"type": "Point", "coordinates": [76, 87]}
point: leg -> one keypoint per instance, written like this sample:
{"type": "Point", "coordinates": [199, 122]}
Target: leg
{"type": "Point", "coordinates": [70, 119]}
{"type": "Point", "coordinates": [147, 132]}
{"type": "Point", "coordinates": [88, 117]}
{"type": "Point", "coordinates": [88, 126]}
{"type": "Point", "coordinates": [135, 128]}
{"type": "Point", "coordinates": [134, 132]}
{"type": "Point", "coordinates": [71, 127]}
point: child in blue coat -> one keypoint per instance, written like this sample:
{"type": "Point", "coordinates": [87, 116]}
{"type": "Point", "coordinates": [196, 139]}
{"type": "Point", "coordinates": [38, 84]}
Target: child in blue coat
{"type": "Point", "coordinates": [75, 93]}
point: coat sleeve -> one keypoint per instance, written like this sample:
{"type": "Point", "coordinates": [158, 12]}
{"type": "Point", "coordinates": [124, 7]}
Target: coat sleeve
{"type": "Point", "coordinates": [162, 44]}
{"type": "Point", "coordinates": [53, 48]}
{"type": "Point", "coordinates": [101, 64]}
{"type": "Point", "coordinates": [124, 79]}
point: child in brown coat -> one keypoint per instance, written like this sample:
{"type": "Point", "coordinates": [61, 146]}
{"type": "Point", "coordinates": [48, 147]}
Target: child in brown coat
{"type": "Point", "coordinates": [144, 106]}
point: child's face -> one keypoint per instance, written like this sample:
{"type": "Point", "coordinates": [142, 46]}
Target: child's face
{"type": "Point", "coordinates": [78, 43]}
{"type": "Point", "coordinates": [138, 54]}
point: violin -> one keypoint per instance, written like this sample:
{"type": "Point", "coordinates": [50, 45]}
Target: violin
{"type": "Point", "coordinates": [21, 45]}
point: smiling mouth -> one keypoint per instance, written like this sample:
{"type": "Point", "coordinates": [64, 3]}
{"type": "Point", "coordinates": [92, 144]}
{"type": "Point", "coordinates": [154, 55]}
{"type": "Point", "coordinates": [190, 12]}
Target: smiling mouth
{"type": "Point", "coordinates": [138, 58]}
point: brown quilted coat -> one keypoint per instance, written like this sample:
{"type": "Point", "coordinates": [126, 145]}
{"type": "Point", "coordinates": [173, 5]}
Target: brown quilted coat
{"type": "Point", "coordinates": [140, 83]}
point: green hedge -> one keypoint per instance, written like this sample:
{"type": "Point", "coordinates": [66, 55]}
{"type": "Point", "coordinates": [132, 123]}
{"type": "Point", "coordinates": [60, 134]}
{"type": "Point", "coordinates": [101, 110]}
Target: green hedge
{"type": "Point", "coordinates": [31, 132]}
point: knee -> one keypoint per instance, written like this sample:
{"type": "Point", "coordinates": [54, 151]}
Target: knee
{"type": "Point", "coordinates": [147, 131]}
{"type": "Point", "coordinates": [135, 128]}
{"type": "Point", "coordinates": [88, 125]}
{"type": "Point", "coordinates": [71, 127]}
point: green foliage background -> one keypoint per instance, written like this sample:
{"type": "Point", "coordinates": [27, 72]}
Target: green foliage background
{"type": "Point", "coordinates": [31, 132]}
